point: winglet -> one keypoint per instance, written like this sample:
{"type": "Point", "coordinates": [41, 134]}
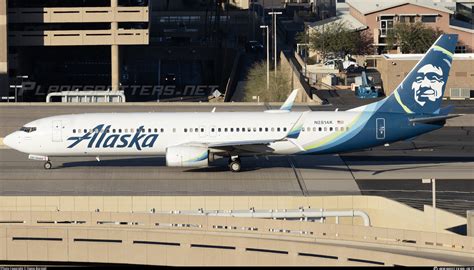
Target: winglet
{"type": "Point", "coordinates": [289, 101]}
{"type": "Point", "coordinates": [295, 131]}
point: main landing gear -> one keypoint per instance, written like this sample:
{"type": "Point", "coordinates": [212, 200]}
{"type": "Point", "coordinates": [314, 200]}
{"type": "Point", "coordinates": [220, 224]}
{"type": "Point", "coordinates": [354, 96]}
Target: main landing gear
{"type": "Point", "coordinates": [235, 165]}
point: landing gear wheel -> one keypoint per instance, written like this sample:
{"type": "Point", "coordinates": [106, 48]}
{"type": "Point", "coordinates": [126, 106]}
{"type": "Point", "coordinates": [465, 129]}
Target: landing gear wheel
{"type": "Point", "coordinates": [235, 166]}
{"type": "Point", "coordinates": [47, 165]}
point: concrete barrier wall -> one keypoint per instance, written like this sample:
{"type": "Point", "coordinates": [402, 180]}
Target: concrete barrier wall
{"type": "Point", "coordinates": [163, 239]}
{"type": "Point", "coordinates": [383, 212]}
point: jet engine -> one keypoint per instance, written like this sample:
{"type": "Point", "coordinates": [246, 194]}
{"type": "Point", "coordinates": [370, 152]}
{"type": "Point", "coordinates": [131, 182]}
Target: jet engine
{"type": "Point", "coordinates": [187, 156]}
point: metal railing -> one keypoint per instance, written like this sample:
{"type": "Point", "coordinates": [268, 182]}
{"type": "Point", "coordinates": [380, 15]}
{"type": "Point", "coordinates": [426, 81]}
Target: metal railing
{"type": "Point", "coordinates": [88, 96]}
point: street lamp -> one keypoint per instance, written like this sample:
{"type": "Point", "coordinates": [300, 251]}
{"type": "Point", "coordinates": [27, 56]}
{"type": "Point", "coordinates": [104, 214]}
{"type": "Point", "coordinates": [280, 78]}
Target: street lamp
{"type": "Point", "coordinates": [433, 193]}
{"type": "Point", "coordinates": [274, 14]}
{"type": "Point", "coordinates": [268, 56]}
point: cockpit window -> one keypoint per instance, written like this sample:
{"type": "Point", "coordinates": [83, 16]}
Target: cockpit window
{"type": "Point", "coordinates": [28, 129]}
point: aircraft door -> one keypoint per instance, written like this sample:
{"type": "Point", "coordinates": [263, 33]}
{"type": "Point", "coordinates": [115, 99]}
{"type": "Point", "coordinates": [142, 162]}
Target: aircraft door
{"type": "Point", "coordinates": [57, 131]}
{"type": "Point", "coordinates": [380, 128]}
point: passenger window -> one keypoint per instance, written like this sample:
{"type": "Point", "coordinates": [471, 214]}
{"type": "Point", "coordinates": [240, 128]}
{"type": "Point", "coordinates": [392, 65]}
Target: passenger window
{"type": "Point", "coordinates": [219, 130]}
{"type": "Point", "coordinates": [314, 129]}
{"type": "Point", "coordinates": [149, 130]}
{"type": "Point", "coordinates": [336, 128]}
{"type": "Point", "coordinates": [73, 131]}
{"type": "Point", "coordinates": [202, 130]}
{"type": "Point", "coordinates": [273, 129]}
{"type": "Point", "coordinates": [162, 130]}
{"type": "Point", "coordinates": [196, 130]}
{"type": "Point", "coordinates": [330, 129]}
{"type": "Point", "coordinates": [185, 130]}
{"type": "Point", "coordinates": [113, 130]}
{"type": "Point", "coordinates": [174, 130]}
{"type": "Point", "coordinates": [225, 129]}
{"type": "Point", "coordinates": [320, 129]}
{"type": "Point", "coordinates": [325, 128]}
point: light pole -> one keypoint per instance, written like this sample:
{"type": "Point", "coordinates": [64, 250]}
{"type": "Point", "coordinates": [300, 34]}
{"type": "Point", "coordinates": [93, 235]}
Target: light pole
{"type": "Point", "coordinates": [22, 77]}
{"type": "Point", "coordinates": [433, 194]}
{"type": "Point", "coordinates": [268, 56]}
{"type": "Point", "coordinates": [274, 14]}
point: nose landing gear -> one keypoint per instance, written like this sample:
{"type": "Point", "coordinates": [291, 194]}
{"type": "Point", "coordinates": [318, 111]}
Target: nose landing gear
{"type": "Point", "coordinates": [48, 165]}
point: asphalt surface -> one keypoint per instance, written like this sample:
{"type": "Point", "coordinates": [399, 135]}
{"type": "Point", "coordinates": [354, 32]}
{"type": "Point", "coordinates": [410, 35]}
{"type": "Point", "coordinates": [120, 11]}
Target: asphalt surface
{"type": "Point", "coordinates": [393, 172]}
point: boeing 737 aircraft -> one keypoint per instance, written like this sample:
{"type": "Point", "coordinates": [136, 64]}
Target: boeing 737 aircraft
{"type": "Point", "coordinates": [195, 139]}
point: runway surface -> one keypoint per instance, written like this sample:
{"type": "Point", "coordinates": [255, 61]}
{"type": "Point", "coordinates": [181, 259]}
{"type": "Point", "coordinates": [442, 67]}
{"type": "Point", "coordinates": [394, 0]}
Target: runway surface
{"type": "Point", "coordinates": [393, 172]}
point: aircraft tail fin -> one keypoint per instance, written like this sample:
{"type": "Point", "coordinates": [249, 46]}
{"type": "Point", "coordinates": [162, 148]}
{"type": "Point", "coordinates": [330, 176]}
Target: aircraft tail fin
{"type": "Point", "coordinates": [422, 90]}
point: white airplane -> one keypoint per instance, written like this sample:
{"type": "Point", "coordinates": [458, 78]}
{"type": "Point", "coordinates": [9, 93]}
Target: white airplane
{"type": "Point", "coordinates": [196, 139]}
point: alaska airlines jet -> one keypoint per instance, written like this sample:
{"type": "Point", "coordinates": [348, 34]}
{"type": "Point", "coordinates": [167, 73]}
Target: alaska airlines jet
{"type": "Point", "coordinates": [196, 139]}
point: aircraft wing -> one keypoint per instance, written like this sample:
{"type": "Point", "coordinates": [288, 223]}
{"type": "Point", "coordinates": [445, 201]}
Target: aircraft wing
{"type": "Point", "coordinates": [244, 146]}
{"type": "Point", "coordinates": [286, 107]}
{"type": "Point", "coordinates": [256, 146]}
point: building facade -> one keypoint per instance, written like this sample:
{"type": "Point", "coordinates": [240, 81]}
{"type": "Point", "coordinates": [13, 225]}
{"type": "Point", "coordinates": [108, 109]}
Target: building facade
{"type": "Point", "coordinates": [115, 44]}
{"type": "Point", "coordinates": [3, 49]}
{"type": "Point", "coordinates": [394, 68]}
{"type": "Point", "coordinates": [381, 16]}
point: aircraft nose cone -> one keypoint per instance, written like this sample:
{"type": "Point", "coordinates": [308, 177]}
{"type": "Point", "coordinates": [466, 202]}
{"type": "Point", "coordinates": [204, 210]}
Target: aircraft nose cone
{"type": "Point", "coordinates": [9, 141]}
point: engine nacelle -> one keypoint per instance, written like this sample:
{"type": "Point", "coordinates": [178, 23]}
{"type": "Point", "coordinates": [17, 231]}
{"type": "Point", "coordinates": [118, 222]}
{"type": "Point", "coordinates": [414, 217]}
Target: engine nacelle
{"type": "Point", "coordinates": [187, 156]}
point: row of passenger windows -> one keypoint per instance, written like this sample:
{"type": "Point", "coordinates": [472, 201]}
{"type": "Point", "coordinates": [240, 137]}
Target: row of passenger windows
{"type": "Point", "coordinates": [197, 130]}
{"type": "Point", "coordinates": [314, 129]}
{"type": "Point", "coordinates": [273, 129]}
{"type": "Point", "coordinates": [118, 130]}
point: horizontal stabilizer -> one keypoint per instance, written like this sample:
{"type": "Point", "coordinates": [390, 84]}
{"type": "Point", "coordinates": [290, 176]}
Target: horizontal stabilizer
{"type": "Point", "coordinates": [432, 119]}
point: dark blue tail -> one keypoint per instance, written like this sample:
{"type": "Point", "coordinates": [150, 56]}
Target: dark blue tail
{"type": "Point", "coordinates": [422, 90]}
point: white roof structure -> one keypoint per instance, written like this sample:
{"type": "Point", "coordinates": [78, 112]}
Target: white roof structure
{"type": "Point", "coordinates": [371, 6]}
{"type": "Point", "coordinates": [458, 56]}
{"type": "Point", "coordinates": [342, 16]}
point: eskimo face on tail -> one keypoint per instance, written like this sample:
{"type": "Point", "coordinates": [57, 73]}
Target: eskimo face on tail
{"type": "Point", "coordinates": [422, 90]}
{"type": "Point", "coordinates": [428, 85]}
